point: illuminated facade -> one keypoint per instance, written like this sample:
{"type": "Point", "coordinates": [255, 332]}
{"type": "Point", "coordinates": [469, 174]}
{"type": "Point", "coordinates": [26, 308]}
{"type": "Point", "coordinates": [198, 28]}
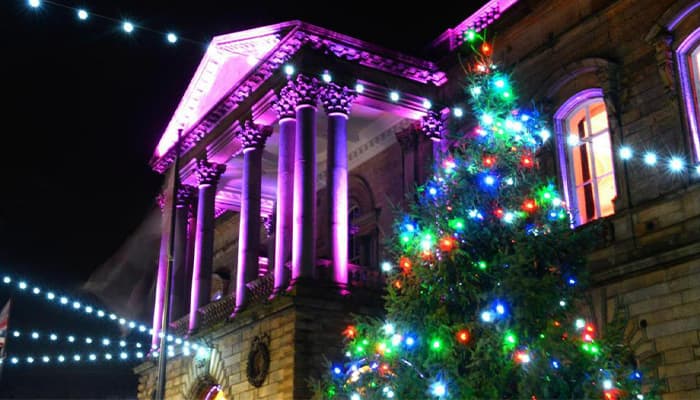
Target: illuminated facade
{"type": "Point", "coordinates": [298, 141]}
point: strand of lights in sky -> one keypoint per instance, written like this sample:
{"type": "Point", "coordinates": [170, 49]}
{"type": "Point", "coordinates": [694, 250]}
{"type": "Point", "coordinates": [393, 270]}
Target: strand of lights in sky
{"type": "Point", "coordinates": [56, 338]}
{"type": "Point", "coordinates": [91, 357]}
{"type": "Point", "coordinates": [126, 26]}
{"type": "Point", "coordinates": [674, 164]}
{"type": "Point", "coordinates": [23, 286]}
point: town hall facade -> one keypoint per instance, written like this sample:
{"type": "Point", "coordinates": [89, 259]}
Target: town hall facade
{"type": "Point", "coordinates": [299, 145]}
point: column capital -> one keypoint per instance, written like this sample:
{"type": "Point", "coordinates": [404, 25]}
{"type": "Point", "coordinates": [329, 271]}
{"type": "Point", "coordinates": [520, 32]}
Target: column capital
{"type": "Point", "coordinates": [337, 99]}
{"type": "Point", "coordinates": [208, 173]}
{"type": "Point", "coordinates": [185, 194]}
{"type": "Point", "coordinates": [307, 89]}
{"type": "Point", "coordinates": [432, 125]}
{"type": "Point", "coordinates": [287, 101]}
{"type": "Point", "coordinates": [253, 136]}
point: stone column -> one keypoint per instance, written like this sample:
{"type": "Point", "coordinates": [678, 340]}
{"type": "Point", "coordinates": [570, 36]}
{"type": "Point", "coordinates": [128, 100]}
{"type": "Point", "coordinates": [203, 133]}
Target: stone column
{"type": "Point", "coordinates": [337, 101]}
{"type": "Point", "coordinates": [253, 139]}
{"type": "Point", "coordinates": [164, 202]}
{"type": "Point", "coordinates": [285, 107]}
{"type": "Point", "coordinates": [208, 175]}
{"type": "Point", "coordinates": [432, 126]}
{"type": "Point", "coordinates": [408, 142]}
{"type": "Point", "coordinates": [304, 208]}
{"type": "Point", "coordinates": [178, 295]}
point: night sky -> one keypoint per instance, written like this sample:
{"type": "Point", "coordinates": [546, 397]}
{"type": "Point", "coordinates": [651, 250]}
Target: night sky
{"type": "Point", "coordinates": [84, 105]}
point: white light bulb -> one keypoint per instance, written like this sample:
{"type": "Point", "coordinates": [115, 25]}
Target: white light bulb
{"type": "Point", "coordinates": [427, 104]}
{"type": "Point", "coordinates": [394, 96]}
{"type": "Point", "coordinates": [34, 3]}
{"type": "Point", "coordinates": [625, 153]}
{"type": "Point", "coordinates": [172, 38]}
{"type": "Point", "coordinates": [128, 27]}
{"type": "Point", "coordinates": [82, 15]}
{"type": "Point", "coordinates": [458, 112]}
{"type": "Point", "coordinates": [650, 158]}
{"type": "Point", "coordinates": [288, 69]}
{"type": "Point", "coordinates": [675, 164]}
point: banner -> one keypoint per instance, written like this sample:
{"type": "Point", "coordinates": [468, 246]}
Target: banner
{"type": "Point", "coordinates": [4, 320]}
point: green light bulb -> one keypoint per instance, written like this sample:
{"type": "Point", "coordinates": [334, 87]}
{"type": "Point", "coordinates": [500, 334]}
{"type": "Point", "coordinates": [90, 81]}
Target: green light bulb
{"type": "Point", "coordinates": [470, 35]}
{"type": "Point", "coordinates": [482, 265]}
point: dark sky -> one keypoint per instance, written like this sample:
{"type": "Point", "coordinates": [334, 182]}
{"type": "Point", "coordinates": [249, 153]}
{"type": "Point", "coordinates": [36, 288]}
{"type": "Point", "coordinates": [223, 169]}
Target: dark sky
{"type": "Point", "coordinates": [84, 105]}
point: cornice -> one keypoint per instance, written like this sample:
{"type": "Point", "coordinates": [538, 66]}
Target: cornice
{"type": "Point", "coordinates": [302, 34]}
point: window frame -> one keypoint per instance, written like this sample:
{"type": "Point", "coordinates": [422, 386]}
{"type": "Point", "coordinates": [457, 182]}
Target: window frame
{"type": "Point", "coordinates": [690, 92]}
{"type": "Point", "coordinates": [565, 162]}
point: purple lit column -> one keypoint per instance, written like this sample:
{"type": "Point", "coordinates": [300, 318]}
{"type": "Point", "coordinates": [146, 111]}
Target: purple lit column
{"type": "Point", "coordinates": [208, 175]}
{"type": "Point", "coordinates": [285, 107]}
{"type": "Point", "coordinates": [178, 296]}
{"type": "Point", "coordinates": [432, 126]}
{"type": "Point", "coordinates": [164, 202]}
{"type": "Point", "coordinates": [253, 139]}
{"type": "Point", "coordinates": [337, 101]}
{"type": "Point", "coordinates": [304, 208]}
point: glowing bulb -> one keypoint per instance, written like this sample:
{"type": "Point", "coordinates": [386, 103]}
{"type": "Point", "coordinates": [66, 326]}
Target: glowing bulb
{"type": "Point", "coordinates": [487, 316]}
{"type": "Point", "coordinates": [489, 180]}
{"type": "Point", "coordinates": [572, 140]}
{"type": "Point", "coordinates": [326, 77]}
{"type": "Point", "coordinates": [71, 339]}
{"type": "Point", "coordinates": [500, 309]}
{"type": "Point", "coordinates": [457, 112]}
{"type": "Point", "coordinates": [427, 104]}
{"type": "Point", "coordinates": [14, 360]}
{"type": "Point", "coordinates": [355, 396]}
{"type": "Point", "coordinates": [53, 337]}
{"type": "Point", "coordinates": [475, 90]}
{"type": "Point", "coordinates": [112, 317]}
{"type": "Point", "coordinates": [142, 328]}
{"type": "Point", "coordinates": [88, 340]}
{"type": "Point", "coordinates": [544, 134]}
{"type": "Point", "coordinates": [30, 360]}
{"type": "Point", "coordinates": [510, 181]}
{"type": "Point", "coordinates": [508, 217]}
{"type": "Point", "coordinates": [45, 359]}
{"type": "Point", "coordinates": [123, 355]}
{"type": "Point", "coordinates": [76, 357]}
{"type": "Point", "coordinates": [625, 153]}
{"type": "Point", "coordinates": [16, 334]}
{"type": "Point", "coordinates": [394, 96]}
{"type": "Point", "coordinates": [580, 323]}
{"type": "Point", "coordinates": [128, 27]}
{"type": "Point", "coordinates": [650, 158]}
{"type": "Point", "coordinates": [562, 303]}
{"type": "Point", "coordinates": [555, 364]}
{"type": "Point", "coordinates": [82, 14]}
{"type": "Point", "coordinates": [675, 164]}
{"type": "Point", "coordinates": [105, 342]}
{"type": "Point", "coordinates": [36, 290]}
{"type": "Point", "coordinates": [76, 305]}
{"type": "Point", "coordinates": [288, 69]}
{"type": "Point", "coordinates": [389, 329]}
{"type": "Point", "coordinates": [92, 357]}
{"type": "Point", "coordinates": [88, 309]}
{"type": "Point", "coordinates": [386, 266]}
{"type": "Point", "coordinates": [487, 119]}
{"type": "Point", "coordinates": [7, 279]}
{"type": "Point", "coordinates": [410, 341]}
{"type": "Point", "coordinates": [108, 356]}
{"type": "Point", "coordinates": [34, 3]}
{"type": "Point", "coordinates": [171, 38]}
{"type": "Point", "coordinates": [438, 389]}
{"type": "Point", "coordinates": [22, 285]}
{"type": "Point", "coordinates": [607, 384]}
{"type": "Point", "coordinates": [500, 83]}
{"type": "Point", "coordinates": [100, 313]}
{"type": "Point", "coordinates": [63, 300]}
{"type": "Point", "coordinates": [359, 88]}
{"type": "Point", "coordinates": [122, 343]}
{"type": "Point", "coordinates": [35, 335]}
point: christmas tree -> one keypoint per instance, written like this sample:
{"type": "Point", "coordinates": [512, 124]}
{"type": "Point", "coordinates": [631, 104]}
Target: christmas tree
{"type": "Point", "coordinates": [487, 285]}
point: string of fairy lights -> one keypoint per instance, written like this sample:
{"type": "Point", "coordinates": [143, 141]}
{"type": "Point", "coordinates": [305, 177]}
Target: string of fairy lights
{"type": "Point", "coordinates": [175, 346]}
{"type": "Point", "coordinates": [127, 26]}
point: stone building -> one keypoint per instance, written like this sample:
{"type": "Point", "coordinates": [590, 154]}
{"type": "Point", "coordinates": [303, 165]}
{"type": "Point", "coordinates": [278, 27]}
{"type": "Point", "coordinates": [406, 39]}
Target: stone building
{"type": "Point", "coordinates": [299, 143]}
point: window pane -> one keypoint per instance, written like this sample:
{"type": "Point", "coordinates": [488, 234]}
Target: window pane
{"type": "Point", "coordinates": [577, 123]}
{"type": "Point", "coordinates": [586, 203]}
{"type": "Point", "coordinates": [599, 118]}
{"type": "Point", "coordinates": [606, 195]}
{"type": "Point", "coordinates": [580, 156]}
{"type": "Point", "coordinates": [602, 154]}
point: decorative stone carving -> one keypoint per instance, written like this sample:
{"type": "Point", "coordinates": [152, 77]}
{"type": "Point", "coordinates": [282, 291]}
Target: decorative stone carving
{"type": "Point", "coordinates": [307, 89]}
{"type": "Point", "coordinates": [258, 360]}
{"type": "Point", "coordinates": [287, 101]}
{"type": "Point", "coordinates": [253, 136]}
{"type": "Point", "coordinates": [432, 125]}
{"type": "Point", "coordinates": [664, 62]}
{"type": "Point", "coordinates": [160, 200]}
{"type": "Point", "coordinates": [185, 194]}
{"type": "Point", "coordinates": [337, 99]}
{"type": "Point", "coordinates": [208, 173]}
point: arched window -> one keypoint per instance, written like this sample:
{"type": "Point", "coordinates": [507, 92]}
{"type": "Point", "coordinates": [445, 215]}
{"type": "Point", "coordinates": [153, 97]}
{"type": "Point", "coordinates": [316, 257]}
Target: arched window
{"type": "Point", "coordinates": [362, 239]}
{"type": "Point", "coordinates": [585, 156]}
{"type": "Point", "coordinates": [688, 54]}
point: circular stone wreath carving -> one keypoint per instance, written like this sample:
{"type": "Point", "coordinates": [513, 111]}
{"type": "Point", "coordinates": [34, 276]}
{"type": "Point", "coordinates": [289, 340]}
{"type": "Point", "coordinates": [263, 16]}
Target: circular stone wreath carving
{"type": "Point", "coordinates": [258, 361]}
